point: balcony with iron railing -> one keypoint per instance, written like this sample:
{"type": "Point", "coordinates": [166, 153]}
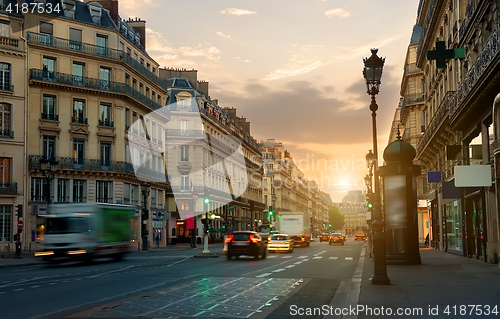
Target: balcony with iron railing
{"type": "Point", "coordinates": [483, 62]}
{"type": "Point", "coordinates": [107, 123]}
{"type": "Point", "coordinates": [92, 83]}
{"type": "Point", "coordinates": [408, 100]}
{"type": "Point", "coordinates": [443, 110]}
{"type": "Point", "coordinates": [6, 133]}
{"type": "Point", "coordinates": [91, 49]}
{"type": "Point", "coordinates": [79, 120]}
{"type": "Point", "coordinates": [8, 188]}
{"type": "Point", "coordinates": [50, 117]}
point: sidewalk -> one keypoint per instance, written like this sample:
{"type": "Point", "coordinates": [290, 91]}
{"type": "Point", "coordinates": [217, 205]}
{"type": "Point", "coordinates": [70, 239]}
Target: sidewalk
{"type": "Point", "coordinates": [442, 280]}
{"type": "Point", "coordinates": [28, 259]}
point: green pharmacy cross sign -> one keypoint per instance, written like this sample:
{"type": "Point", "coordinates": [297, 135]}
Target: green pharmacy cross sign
{"type": "Point", "coordinates": [441, 54]}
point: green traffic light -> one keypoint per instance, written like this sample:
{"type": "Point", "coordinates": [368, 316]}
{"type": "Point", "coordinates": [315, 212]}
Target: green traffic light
{"type": "Point", "coordinates": [270, 213]}
{"type": "Point", "coordinates": [370, 205]}
{"type": "Point", "coordinates": [207, 200]}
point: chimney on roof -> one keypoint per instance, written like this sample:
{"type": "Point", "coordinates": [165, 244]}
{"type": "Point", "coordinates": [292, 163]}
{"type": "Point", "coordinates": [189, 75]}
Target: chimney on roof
{"type": "Point", "coordinates": [111, 6]}
{"type": "Point", "coordinates": [139, 26]}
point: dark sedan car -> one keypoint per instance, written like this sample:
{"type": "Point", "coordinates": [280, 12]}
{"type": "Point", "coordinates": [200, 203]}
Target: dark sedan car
{"type": "Point", "coordinates": [336, 238]}
{"type": "Point", "coordinates": [324, 237]}
{"type": "Point", "coordinates": [246, 243]}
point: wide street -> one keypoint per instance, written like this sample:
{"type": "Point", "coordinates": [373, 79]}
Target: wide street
{"type": "Point", "coordinates": [173, 283]}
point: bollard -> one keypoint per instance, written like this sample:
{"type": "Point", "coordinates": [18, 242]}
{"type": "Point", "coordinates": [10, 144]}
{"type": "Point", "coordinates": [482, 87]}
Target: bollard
{"type": "Point", "coordinates": [205, 245]}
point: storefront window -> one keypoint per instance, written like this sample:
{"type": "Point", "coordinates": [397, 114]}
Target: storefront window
{"type": "Point", "coordinates": [454, 226]}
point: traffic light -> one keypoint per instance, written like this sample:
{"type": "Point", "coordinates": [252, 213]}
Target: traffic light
{"type": "Point", "coordinates": [270, 211]}
{"type": "Point", "coordinates": [145, 214]}
{"type": "Point", "coordinates": [369, 199]}
{"type": "Point", "coordinates": [206, 200]}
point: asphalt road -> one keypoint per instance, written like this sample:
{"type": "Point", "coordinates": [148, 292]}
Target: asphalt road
{"type": "Point", "coordinates": [174, 284]}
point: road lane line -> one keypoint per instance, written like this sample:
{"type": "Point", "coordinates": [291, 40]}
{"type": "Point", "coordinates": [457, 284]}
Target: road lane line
{"type": "Point", "coordinates": [109, 272]}
{"type": "Point", "coordinates": [287, 256]}
{"type": "Point", "coordinates": [317, 257]}
{"type": "Point", "coordinates": [348, 258]}
{"type": "Point", "coordinates": [272, 256]}
{"type": "Point", "coordinates": [303, 257]}
{"type": "Point", "coordinates": [34, 286]}
{"type": "Point", "coordinates": [279, 270]}
{"type": "Point", "coordinates": [290, 266]}
{"type": "Point", "coordinates": [333, 258]}
{"type": "Point", "coordinates": [264, 275]}
{"type": "Point", "coordinates": [19, 289]}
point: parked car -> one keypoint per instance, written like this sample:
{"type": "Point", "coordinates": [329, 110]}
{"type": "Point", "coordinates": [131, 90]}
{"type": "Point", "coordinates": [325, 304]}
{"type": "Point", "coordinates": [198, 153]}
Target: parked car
{"type": "Point", "coordinates": [336, 238]}
{"type": "Point", "coordinates": [280, 242]}
{"type": "Point", "coordinates": [248, 243]}
{"type": "Point", "coordinates": [324, 237]}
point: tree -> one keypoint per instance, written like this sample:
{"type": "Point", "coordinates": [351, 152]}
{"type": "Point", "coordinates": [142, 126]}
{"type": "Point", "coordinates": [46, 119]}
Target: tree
{"type": "Point", "coordinates": [335, 217]}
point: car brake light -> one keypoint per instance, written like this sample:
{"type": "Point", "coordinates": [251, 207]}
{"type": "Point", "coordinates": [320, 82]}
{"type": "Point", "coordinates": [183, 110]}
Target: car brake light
{"type": "Point", "coordinates": [253, 239]}
{"type": "Point", "coordinates": [303, 238]}
{"type": "Point", "coordinates": [229, 238]}
{"type": "Point", "coordinates": [287, 242]}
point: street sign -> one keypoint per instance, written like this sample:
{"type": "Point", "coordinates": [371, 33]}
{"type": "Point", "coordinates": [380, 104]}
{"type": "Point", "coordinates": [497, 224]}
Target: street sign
{"type": "Point", "coordinates": [20, 224]}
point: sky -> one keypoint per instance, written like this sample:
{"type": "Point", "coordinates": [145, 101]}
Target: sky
{"type": "Point", "coordinates": [293, 68]}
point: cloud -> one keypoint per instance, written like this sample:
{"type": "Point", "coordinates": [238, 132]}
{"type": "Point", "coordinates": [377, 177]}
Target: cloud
{"type": "Point", "coordinates": [338, 12]}
{"type": "Point", "coordinates": [364, 49]}
{"type": "Point", "coordinates": [248, 61]}
{"type": "Point", "coordinates": [306, 112]}
{"type": "Point", "coordinates": [220, 34]}
{"type": "Point", "coordinates": [237, 12]}
{"type": "Point", "coordinates": [131, 8]}
{"type": "Point", "coordinates": [164, 51]}
{"type": "Point", "coordinates": [297, 65]}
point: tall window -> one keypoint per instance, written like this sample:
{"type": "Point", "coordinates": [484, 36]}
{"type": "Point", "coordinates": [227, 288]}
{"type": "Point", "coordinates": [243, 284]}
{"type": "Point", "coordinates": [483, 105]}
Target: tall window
{"type": "Point", "coordinates": [5, 77]}
{"type": "Point", "coordinates": [127, 79]}
{"type": "Point", "coordinates": [184, 153]}
{"type": "Point", "coordinates": [5, 223]}
{"type": "Point", "coordinates": [79, 191]}
{"type": "Point", "coordinates": [78, 73]}
{"type": "Point", "coordinates": [79, 151]}
{"type": "Point", "coordinates": [5, 120]}
{"type": "Point", "coordinates": [154, 196]}
{"type": "Point", "coordinates": [79, 111]}
{"type": "Point", "coordinates": [105, 78]}
{"type": "Point", "coordinates": [104, 192]}
{"type": "Point", "coordinates": [38, 189]}
{"type": "Point", "coordinates": [49, 146]}
{"type": "Point", "coordinates": [153, 131]}
{"type": "Point", "coordinates": [63, 190]}
{"type": "Point", "coordinates": [101, 44]}
{"type": "Point", "coordinates": [49, 108]}
{"type": "Point", "coordinates": [130, 194]}
{"type": "Point", "coordinates": [4, 29]}
{"type": "Point", "coordinates": [184, 182]}
{"type": "Point", "coordinates": [5, 170]}
{"type": "Point", "coordinates": [75, 39]}
{"type": "Point", "coordinates": [105, 115]}
{"type": "Point", "coordinates": [46, 31]}
{"type": "Point", "coordinates": [127, 118]}
{"type": "Point", "coordinates": [49, 69]}
{"type": "Point", "coordinates": [105, 154]}
{"type": "Point", "coordinates": [184, 127]}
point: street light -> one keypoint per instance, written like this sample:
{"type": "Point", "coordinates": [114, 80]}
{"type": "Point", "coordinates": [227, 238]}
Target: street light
{"type": "Point", "coordinates": [146, 190]}
{"type": "Point", "coordinates": [44, 167]}
{"type": "Point", "coordinates": [372, 73]}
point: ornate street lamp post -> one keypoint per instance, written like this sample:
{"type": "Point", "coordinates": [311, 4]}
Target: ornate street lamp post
{"type": "Point", "coordinates": [372, 74]}
{"type": "Point", "coordinates": [146, 190]}
{"type": "Point", "coordinates": [44, 167]}
{"type": "Point", "coordinates": [370, 157]}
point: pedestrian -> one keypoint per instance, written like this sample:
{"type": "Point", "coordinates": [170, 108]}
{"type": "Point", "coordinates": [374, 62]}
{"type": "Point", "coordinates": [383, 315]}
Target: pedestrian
{"type": "Point", "coordinates": [157, 241]}
{"type": "Point", "coordinates": [427, 241]}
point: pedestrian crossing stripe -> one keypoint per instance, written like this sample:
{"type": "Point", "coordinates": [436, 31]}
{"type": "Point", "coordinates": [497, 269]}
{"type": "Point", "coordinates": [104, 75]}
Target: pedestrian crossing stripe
{"type": "Point", "coordinates": [317, 257]}
{"type": "Point", "coordinates": [272, 256]}
{"type": "Point", "coordinates": [302, 257]}
{"type": "Point", "coordinates": [333, 258]}
{"type": "Point", "coordinates": [348, 258]}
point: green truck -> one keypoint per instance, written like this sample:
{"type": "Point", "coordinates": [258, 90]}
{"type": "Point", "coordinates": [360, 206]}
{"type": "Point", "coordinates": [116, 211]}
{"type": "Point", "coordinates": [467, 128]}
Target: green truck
{"type": "Point", "coordinates": [87, 231]}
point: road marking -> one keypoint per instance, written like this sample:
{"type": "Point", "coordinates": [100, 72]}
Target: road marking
{"type": "Point", "coordinates": [317, 257]}
{"type": "Point", "coordinates": [333, 258]}
{"type": "Point", "coordinates": [264, 275]}
{"type": "Point", "coordinates": [348, 258]}
{"type": "Point", "coordinates": [109, 272]}
{"type": "Point", "coordinates": [2, 292]}
{"type": "Point", "coordinates": [290, 266]}
{"type": "Point", "coordinates": [52, 283]}
{"type": "Point", "coordinates": [34, 286]}
{"type": "Point", "coordinates": [272, 256]}
{"type": "Point", "coordinates": [303, 257]}
{"type": "Point", "coordinates": [19, 289]}
{"type": "Point", "coordinates": [298, 263]}
{"type": "Point", "coordinates": [287, 256]}
{"type": "Point", "coordinates": [279, 270]}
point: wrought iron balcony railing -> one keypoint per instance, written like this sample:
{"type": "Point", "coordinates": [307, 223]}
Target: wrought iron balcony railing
{"type": "Point", "coordinates": [91, 83]}
{"type": "Point", "coordinates": [107, 123]}
{"type": "Point", "coordinates": [95, 50]}
{"type": "Point", "coordinates": [79, 120]}
{"type": "Point", "coordinates": [449, 101]}
{"type": "Point", "coordinates": [6, 133]}
{"type": "Point", "coordinates": [8, 188]}
{"type": "Point", "coordinates": [488, 54]}
{"type": "Point", "coordinates": [50, 117]}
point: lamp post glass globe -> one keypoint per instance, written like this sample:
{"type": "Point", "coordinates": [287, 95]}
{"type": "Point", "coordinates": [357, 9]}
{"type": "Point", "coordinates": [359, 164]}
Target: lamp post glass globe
{"type": "Point", "coordinates": [373, 72]}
